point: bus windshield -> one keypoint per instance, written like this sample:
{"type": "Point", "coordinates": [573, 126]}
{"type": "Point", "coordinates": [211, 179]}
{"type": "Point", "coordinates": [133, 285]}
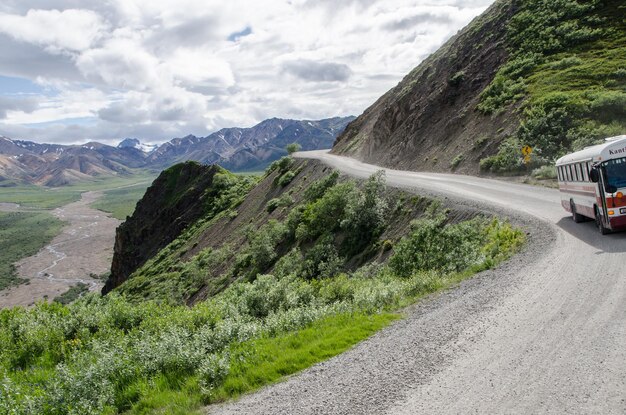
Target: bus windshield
{"type": "Point", "coordinates": [616, 172]}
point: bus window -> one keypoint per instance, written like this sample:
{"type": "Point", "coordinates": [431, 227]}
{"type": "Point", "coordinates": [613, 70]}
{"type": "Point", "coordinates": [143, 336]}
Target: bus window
{"type": "Point", "coordinates": [586, 171]}
{"type": "Point", "coordinates": [616, 172]}
{"type": "Point", "coordinates": [569, 172]}
{"type": "Point", "coordinates": [559, 172]}
{"type": "Point", "coordinates": [579, 173]}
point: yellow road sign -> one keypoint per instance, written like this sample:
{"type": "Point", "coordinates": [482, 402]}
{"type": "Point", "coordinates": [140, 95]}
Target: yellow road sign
{"type": "Point", "coordinates": [527, 151]}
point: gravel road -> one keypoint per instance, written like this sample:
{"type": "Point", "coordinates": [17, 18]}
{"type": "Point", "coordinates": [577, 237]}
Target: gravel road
{"type": "Point", "coordinates": [544, 333]}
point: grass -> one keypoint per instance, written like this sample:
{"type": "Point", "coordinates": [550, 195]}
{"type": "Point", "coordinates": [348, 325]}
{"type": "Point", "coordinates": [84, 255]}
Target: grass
{"type": "Point", "coordinates": [23, 234]}
{"type": "Point", "coordinates": [121, 202]}
{"type": "Point", "coordinates": [261, 362]}
{"type": "Point", "coordinates": [269, 360]}
{"type": "Point", "coordinates": [567, 70]}
{"type": "Point", "coordinates": [128, 353]}
{"type": "Point", "coordinates": [53, 197]}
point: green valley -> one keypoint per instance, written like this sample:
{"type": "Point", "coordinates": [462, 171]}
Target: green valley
{"type": "Point", "coordinates": [324, 268]}
{"type": "Point", "coordinates": [23, 234]}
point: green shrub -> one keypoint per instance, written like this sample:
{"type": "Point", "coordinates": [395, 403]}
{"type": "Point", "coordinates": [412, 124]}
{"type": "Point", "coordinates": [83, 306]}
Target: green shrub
{"type": "Point", "coordinates": [480, 141]}
{"type": "Point", "coordinates": [457, 79]}
{"type": "Point", "coordinates": [283, 201]}
{"type": "Point", "coordinates": [566, 63]}
{"type": "Point", "coordinates": [434, 245]}
{"type": "Point", "coordinates": [456, 161]}
{"type": "Point", "coordinates": [508, 159]}
{"type": "Point", "coordinates": [564, 57]}
{"type": "Point", "coordinates": [282, 165]}
{"type": "Point", "coordinates": [546, 130]}
{"type": "Point", "coordinates": [109, 355]}
{"type": "Point", "coordinates": [545, 173]}
{"type": "Point", "coordinates": [365, 214]}
{"type": "Point", "coordinates": [608, 105]}
{"type": "Point", "coordinates": [292, 148]}
{"type": "Point", "coordinates": [325, 214]}
{"type": "Point", "coordinates": [286, 178]}
{"type": "Point", "coordinates": [501, 241]}
{"type": "Point", "coordinates": [285, 163]}
{"type": "Point", "coordinates": [262, 245]}
{"type": "Point", "coordinates": [322, 260]}
{"type": "Point", "coordinates": [500, 93]}
{"type": "Point", "coordinates": [317, 189]}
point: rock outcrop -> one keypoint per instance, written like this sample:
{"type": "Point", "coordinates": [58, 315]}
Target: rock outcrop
{"type": "Point", "coordinates": [429, 118]}
{"type": "Point", "coordinates": [176, 199]}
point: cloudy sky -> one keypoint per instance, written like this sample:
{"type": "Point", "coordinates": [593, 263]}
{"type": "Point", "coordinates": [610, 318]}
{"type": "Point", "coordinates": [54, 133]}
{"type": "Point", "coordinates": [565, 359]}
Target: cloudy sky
{"type": "Point", "coordinates": [75, 70]}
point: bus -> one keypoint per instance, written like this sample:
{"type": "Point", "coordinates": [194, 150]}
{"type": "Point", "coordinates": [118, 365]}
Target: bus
{"type": "Point", "coordinates": [592, 183]}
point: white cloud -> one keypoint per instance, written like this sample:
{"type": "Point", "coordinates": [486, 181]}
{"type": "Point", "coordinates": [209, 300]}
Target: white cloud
{"type": "Point", "coordinates": [120, 63]}
{"type": "Point", "coordinates": [199, 68]}
{"type": "Point", "coordinates": [69, 104]}
{"type": "Point", "coordinates": [167, 68]}
{"type": "Point", "coordinates": [72, 29]}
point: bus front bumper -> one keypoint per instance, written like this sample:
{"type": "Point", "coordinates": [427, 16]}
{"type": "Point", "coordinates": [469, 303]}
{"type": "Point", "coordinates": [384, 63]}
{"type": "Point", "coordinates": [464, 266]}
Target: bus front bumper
{"type": "Point", "coordinates": [618, 222]}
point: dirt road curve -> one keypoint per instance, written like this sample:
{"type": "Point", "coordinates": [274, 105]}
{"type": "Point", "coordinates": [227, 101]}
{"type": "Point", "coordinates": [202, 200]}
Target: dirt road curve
{"type": "Point", "coordinates": [85, 246]}
{"type": "Point", "coordinates": [545, 333]}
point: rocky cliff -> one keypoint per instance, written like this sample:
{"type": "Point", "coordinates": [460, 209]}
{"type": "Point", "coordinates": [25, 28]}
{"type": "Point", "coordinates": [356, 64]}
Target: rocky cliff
{"type": "Point", "coordinates": [551, 75]}
{"type": "Point", "coordinates": [429, 118]}
{"type": "Point", "coordinates": [177, 198]}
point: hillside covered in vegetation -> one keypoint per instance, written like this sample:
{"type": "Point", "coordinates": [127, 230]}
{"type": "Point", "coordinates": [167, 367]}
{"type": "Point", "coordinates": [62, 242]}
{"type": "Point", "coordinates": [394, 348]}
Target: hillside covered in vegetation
{"type": "Point", "coordinates": [548, 74]}
{"type": "Point", "coordinates": [274, 275]}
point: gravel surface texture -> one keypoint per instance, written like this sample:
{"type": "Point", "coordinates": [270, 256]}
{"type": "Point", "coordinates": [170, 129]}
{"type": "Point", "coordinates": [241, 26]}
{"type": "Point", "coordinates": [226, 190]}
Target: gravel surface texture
{"type": "Point", "coordinates": [543, 333]}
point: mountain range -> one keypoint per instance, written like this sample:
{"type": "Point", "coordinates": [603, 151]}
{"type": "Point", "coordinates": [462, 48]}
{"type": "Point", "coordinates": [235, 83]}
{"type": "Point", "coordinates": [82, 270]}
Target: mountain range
{"type": "Point", "coordinates": [237, 149]}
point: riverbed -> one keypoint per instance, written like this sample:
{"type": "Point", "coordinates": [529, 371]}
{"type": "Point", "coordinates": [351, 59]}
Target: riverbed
{"type": "Point", "coordinates": [84, 248]}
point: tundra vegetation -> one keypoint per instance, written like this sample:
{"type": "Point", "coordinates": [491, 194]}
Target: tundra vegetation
{"type": "Point", "coordinates": [23, 234]}
{"type": "Point", "coordinates": [566, 74]}
{"type": "Point", "coordinates": [120, 202]}
{"type": "Point", "coordinates": [53, 197]}
{"type": "Point", "coordinates": [290, 293]}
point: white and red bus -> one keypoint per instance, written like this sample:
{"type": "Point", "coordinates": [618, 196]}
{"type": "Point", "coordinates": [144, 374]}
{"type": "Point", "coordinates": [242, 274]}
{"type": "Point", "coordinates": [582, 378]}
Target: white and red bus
{"type": "Point", "coordinates": [593, 184]}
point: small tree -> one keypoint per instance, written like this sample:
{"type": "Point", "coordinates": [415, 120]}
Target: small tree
{"type": "Point", "coordinates": [293, 147]}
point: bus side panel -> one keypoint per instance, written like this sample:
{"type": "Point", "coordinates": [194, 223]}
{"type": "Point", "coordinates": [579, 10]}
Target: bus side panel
{"type": "Point", "coordinates": [582, 194]}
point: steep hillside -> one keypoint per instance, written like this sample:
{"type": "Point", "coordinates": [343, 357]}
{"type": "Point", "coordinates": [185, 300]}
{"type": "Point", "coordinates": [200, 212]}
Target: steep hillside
{"type": "Point", "coordinates": [226, 283]}
{"type": "Point", "coordinates": [545, 74]}
{"type": "Point", "coordinates": [11, 172]}
{"type": "Point", "coordinates": [300, 218]}
{"type": "Point", "coordinates": [180, 196]}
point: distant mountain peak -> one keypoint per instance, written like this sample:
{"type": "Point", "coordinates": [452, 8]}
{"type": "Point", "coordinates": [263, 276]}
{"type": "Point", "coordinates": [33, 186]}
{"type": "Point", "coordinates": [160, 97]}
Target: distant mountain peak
{"type": "Point", "coordinates": [135, 143]}
{"type": "Point", "coordinates": [238, 149]}
{"type": "Point", "coordinates": [129, 142]}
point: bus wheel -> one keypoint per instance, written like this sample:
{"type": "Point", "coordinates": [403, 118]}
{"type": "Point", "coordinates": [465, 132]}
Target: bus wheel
{"type": "Point", "coordinates": [578, 218]}
{"type": "Point", "coordinates": [603, 230]}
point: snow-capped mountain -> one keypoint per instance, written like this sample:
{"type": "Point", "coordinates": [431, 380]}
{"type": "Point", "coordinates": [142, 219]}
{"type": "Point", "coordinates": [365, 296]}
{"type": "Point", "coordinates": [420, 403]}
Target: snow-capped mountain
{"type": "Point", "coordinates": [135, 143]}
{"type": "Point", "coordinates": [238, 149]}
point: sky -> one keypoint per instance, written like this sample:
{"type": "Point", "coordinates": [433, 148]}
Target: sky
{"type": "Point", "coordinates": [75, 71]}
